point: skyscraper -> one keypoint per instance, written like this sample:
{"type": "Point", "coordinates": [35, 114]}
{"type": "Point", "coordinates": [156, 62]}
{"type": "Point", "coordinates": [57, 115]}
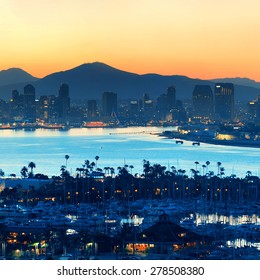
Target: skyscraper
{"type": "Point", "coordinates": [63, 102]}
{"type": "Point", "coordinates": [171, 94]}
{"type": "Point", "coordinates": [92, 109]}
{"type": "Point", "coordinates": [16, 106]}
{"type": "Point", "coordinates": [166, 103]}
{"type": "Point", "coordinates": [47, 108]}
{"type": "Point", "coordinates": [202, 102]}
{"type": "Point", "coordinates": [29, 104]}
{"type": "Point", "coordinates": [109, 103]}
{"type": "Point", "coordinates": [224, 101]}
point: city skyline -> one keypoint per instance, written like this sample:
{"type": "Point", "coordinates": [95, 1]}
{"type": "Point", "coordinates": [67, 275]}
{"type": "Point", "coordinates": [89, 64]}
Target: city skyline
{"type": "Point", "coordinates": [192, 38]}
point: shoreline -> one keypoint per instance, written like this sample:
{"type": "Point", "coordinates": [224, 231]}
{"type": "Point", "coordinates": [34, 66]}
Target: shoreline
{"type": "Point", "coordinates": [239, 143]}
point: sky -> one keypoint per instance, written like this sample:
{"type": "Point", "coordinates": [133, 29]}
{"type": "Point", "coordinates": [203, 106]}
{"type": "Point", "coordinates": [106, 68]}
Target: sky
{"type": "Point", "coordinates": [197, 38]}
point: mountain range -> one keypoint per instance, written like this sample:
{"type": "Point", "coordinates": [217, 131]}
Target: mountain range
{"type": "Point", "coordinates": [89, 81]}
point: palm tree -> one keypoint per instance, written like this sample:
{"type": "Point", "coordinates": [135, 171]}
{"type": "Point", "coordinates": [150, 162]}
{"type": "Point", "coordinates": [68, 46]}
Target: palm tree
{"type": "Point", "coordinates": [207, 163]}
{"type": "Point", "coordinates": [219, 164]}
{"type": "Point", "coordinates": [222, 171]}
{"type": "Point", "coordinates": [2, 173]}
{"type": "Point", "coordinates": [173, 168]}
{"type": "Point", "coordinates": [66, 158]}
{"type": "Point", "coordinates": [196, 163]}
{"type": "Point", "coordinates": [203, 168]}
{"type": "Point", "coordinates": [24, 172]}
{"type": "Point", "coordinates": [96, 158]}
{"type": "Point", "coordinates": [32, 165]}
{"type": "Point", "coordinates": [131, 167]}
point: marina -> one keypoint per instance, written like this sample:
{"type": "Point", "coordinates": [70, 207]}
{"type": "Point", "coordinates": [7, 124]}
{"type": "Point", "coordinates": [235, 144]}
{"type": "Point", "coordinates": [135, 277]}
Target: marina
{"type": "Point", "coordinates": [137, 186]}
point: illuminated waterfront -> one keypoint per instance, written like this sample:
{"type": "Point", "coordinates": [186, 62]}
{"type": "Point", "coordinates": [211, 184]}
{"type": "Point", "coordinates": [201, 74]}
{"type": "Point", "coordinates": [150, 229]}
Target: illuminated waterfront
{"type": "Point", "coordinates": [116, 147]}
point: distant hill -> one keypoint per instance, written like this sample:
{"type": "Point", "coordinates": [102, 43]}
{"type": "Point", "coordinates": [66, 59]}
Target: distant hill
{"type": "Point", "coordinates": [89, 81]}
{"type": "Point", "coordinates": [239, 81]}
{"type": "Point", "coordinates": [15, 75]}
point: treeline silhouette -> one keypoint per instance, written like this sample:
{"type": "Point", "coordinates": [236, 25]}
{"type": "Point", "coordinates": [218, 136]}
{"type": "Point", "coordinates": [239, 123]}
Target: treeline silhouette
{"type": "Point", "coordinates": [95, 185]}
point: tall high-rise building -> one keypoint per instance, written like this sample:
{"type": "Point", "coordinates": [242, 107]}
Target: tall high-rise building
{"type": "Point", "coordinates": [47, 108]}
{"type": "Point", "coordinates": [202, 102]}
{"type": "Point", "coordinates": [29, 104]}
{"type": "Point", "coordinates": [109, 103]}
{"type": "Point", "coordinates": [134, 108]}
{"type": "Point", "coordinates": [16, 106]}
{"type": "Point", "coordinates": [92, 109]}
{"type": "Point", "coordinates": [63, 102]}
{"type": "Point", "coordinates": [171, 94]}
{"type": "Point", "coordinates": [162, 107]}
{"type": "Point", "coordinates": [224, 101]}
{"type": "Point", "coordinates": [166, 103]}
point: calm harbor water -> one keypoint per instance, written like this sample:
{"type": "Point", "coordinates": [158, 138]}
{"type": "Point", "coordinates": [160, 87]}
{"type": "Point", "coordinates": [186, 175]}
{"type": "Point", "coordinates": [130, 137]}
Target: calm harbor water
{"type": "Point", "coordinates": [116, 147]}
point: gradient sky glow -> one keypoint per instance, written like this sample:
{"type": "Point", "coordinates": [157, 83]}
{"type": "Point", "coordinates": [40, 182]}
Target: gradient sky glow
{"type": "Point", "coordinates": [197, 38]}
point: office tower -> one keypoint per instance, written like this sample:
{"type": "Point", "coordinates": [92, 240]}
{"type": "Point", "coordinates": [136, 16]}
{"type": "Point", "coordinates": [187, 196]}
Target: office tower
{"type": "Point", "coordinates": [224, 101]}
{"type": "Point", "coordinates": [179, 113]}
{"type": "Point", "coordinates": [16, 106]}
{"type": "Point", "coordinates": [47, 108]}
{"type": "Point", "coordinates": [134, 108]}
{"type": "Point", "coordinates": [202, 102]}
{"type": "Point", "coordinates": [63, 102]}
{"type": "Point", "coordinates": [109, 103]}
{"type": "Point", "coordinates": [29, 104]}
{"type": "Point", "coordinates": [92, 109]}
{"type": "Point", "coordinates": [171, 94]}
{"type": "Point", "coordinates": [148, 109]}
{"type": "Point", "coordinates": [163, 106]}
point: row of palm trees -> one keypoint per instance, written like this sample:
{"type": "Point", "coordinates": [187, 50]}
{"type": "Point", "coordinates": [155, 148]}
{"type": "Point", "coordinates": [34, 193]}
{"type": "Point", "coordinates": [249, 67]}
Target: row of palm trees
{"type": "Point", "coordinates": [94, 184]}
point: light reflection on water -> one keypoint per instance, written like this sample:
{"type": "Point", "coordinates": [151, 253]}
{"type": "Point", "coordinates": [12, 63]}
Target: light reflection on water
{"type": "Point", "coordinates": [250, 227]}
{"type": "Point", "coordinates": [116, 147]}
{"type": "Point", "coordinates": [202, 219]}
{"type": "Point", "coordinates": [242, 243]}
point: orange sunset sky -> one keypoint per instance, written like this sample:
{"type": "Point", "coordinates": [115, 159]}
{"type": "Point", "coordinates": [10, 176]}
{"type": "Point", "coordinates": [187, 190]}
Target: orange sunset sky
{"type": "Point", "coordinates": [197, 38]}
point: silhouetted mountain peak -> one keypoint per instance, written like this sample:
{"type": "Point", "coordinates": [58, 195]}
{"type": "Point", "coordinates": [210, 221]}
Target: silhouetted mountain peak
{"type": "Point", "coordinates": [15, 76]}
{"type": "Point", "coordinates": [90, 80]}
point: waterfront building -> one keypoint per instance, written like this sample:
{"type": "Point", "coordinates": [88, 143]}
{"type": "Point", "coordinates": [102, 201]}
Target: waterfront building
{"type": "Point", "coordinates": [179, 113]}
{"type": "Point", "coordinates": [148, 109]}
{"type": "Point", "coordinates": [92, 109]}
{"type": "Point", "coordinates": [109, 100]}
{"type": "Point", "coordinates": [16, 106]}
{"type": "Point", "coordinates": [171, 94]}
{"type": "Point", "coordinates": [165, 237]}
{"type": "Point", "coordinates": [202, 102]}
{"type": "Point", "coordinates": [163, 107]}
{"type": "Point", "coordinates": [224, 101]}
{"type": "Point", "coordinates": [166, 103]}
{"type": "Point", "coordinates": [29, 104]}
{"type": "Point", "coordinates": [47, 108]}
{"type": "Point", "coordinates": [63, 102]}
{"type": "Point", "coordinates": [134, 108]}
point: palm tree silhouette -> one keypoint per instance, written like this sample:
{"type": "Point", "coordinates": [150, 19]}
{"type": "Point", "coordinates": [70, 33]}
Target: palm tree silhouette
{"type": "Point", "coordinates": [32, 165]}
{"type": "Point", "coordinates": [96, 158]}
{"type": "Point", "coordinates": [196, 163]}
{"type": "Point", "coordinates": [24, 172]}
{"type": "Point", "coordinates": [2, 173]}
{"type": "Point", "coordinates": [219, 164]}
{"type": "Point", "coordinates": [131, 167]}
{"type": "Point", "coordinates": [207, 163]}
{"type": "Point", "coordinates": [203, 168]}
{"type": "Point", "coordinates": [66, 158]}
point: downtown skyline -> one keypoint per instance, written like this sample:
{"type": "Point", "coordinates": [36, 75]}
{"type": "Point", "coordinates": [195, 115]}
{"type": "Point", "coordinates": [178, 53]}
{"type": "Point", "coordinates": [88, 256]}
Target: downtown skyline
{"type": "Point", "coordinates": [192, 38]}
